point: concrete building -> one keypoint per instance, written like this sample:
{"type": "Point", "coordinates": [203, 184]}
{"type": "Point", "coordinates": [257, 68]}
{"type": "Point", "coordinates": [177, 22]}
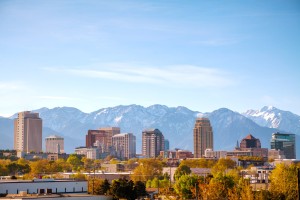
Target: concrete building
{"type": "Point", "coordinates": [54, 144]}
{"type": "Point", "coordinates": [41, 186]}
{"type": "Point", "coordinates": [124, 145]}
{"type": "Point", "coordinates": [209, 153]}
{"type": "Point", "coordinates": [203, 137]}
{"type": "Point", "coordinates": [275, 154]}
{"type": "Point", "coordinates": [284, 142]}
{"type": "Point", "coordinates": [91, 153]}
{"type": "Point", "coordinates": [28, 132]}
{"type": "Point", "coordinates": [176, 154]}
{"type": "Point", "coordinates": [152, 143]}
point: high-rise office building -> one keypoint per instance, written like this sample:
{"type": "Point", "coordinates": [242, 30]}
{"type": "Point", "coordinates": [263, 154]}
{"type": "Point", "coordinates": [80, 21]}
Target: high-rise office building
{"type": "Point", "coordinates": [152, 143]}
{"type": "Point", "coordinates": [95, 138]}
{"type": "Point", "coordinates": [286, 143]}
{"type": "Point", "coordinates": [124, 145]}
{"type": "Point", "coordinates": [101, 138]}
{"type": "Point", "coordinates": [110, 131]}
{"type": "Point", "coordinates": [28, 132]}
{"type": "Point", "coordinates": [167, 145]}
{"type": "Point", "coordinates": [203, 137]}
{"type": "Point", "coordinates": [54, 144]}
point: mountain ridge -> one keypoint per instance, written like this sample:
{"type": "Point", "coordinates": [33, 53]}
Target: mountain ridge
{"type": "Point", "coordinates": [176, 123]}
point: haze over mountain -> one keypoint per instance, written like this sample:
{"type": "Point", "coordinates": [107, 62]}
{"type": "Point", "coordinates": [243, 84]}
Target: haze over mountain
{"type": "Point", "coordinates": [176, 123]}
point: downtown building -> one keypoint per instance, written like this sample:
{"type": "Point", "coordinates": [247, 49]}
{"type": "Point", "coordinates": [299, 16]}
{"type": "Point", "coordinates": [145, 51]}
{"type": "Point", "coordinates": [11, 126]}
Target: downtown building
{"type": "Point", "coordinates": [28, 132]}
{"type": "Point", "coordinates": [101, 138]}
{"type": "Point", "coordinates": [203, 137]}
{"type": "Point", "coordinates": [152, 143]}
{"type": "Point", "coordinates": [54, 144]}
{"type": "Point", "coordinates": [124, 145]}
{"type": "Point", "coordinates": [284, 142]}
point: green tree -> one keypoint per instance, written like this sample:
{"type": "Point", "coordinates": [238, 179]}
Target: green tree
{"type": "Point", "coordinates": [122, 188]}
{"type": "Point", "coordinates": [181, 170]}
{"type": "Point", "coordinates": [185, 185]}
{"type": "Point", "coordinates": [104, 187]}
{"type": "Point", "coordinates": [140, 189]}
{"type": "Point", "coordinates": [284, 182]}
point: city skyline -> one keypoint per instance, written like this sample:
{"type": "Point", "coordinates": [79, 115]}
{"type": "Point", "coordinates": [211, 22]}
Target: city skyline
{"type": "Point", "coordinates": [97, 54]}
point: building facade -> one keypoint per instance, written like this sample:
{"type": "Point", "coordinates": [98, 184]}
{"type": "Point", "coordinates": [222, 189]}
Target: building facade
{"type": "Point", "coordinates": [91, 153]}
{"type": "Point", "coordinates": [203, 137]}
{"type": "Point", "coordinates": [284, 142]}
{"type": "Point", "coordinates": [167, 145]}
{"type": "Point", "coordinates": [152, 143]}
{"type": "Point", "coordinates": [124, 145]}
{"type": "Point", "coordinates": [54, 144]}
{"type": "Point", "coordinates": [101, 138]}
{"type": "Point", "coordinates": [250, 142]}
{"type": "Point", "coordinates": [28, 132]}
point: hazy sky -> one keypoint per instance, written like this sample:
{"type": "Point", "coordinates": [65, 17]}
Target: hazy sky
{"type": "Point", "coordinates": [200, 54]}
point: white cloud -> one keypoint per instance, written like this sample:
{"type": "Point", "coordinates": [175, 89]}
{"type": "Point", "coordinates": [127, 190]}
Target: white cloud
{"type": "Point", "coordinates": [178, 75]}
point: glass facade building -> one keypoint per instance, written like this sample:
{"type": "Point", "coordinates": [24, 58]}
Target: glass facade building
{"type": "Point", "coordinates": [284, 142]}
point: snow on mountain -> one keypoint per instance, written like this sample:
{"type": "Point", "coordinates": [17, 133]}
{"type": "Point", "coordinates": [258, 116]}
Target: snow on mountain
{"type": "Point", "coordinates": [176, 123]}
{"type": "Point", "coordinates": [272, 117]}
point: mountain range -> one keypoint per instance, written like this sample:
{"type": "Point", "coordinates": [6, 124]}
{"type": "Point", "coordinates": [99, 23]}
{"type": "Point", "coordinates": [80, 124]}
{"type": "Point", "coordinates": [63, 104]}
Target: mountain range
{"type": "Point", "coordinates": [176, 123]}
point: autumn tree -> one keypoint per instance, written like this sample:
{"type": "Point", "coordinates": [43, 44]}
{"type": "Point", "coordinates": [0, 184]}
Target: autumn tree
{"type": "Point", "coordinates": [147, 169]}
{"type": "Point", "coordinates": [75, 161]}
{"type": "Point", "coordinates": [219, 185]}
{"type": "Point", "coordinates": [198, 163]}
{"type": "Point", "coordinates": [223, 165]}
{"type": "Point", "coordinates": [284, 182]}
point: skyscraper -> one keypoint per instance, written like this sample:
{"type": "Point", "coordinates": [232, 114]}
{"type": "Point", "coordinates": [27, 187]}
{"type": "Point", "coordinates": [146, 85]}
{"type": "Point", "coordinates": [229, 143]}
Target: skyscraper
{"type": "Point", "coordinates": [152, 143]}
{"type": "Point", "coordinates": [101, 138]}
{"type": "Point", "coordinates": [124, 145]}
{"type": "Point", "coordinates": [286, 143]}
{"type": "Point", "coordinates": [28, 132]}
{"type": "Point", "coordinates": [54, 144]}
{"type": "Point", "coordinates": [203, 137]}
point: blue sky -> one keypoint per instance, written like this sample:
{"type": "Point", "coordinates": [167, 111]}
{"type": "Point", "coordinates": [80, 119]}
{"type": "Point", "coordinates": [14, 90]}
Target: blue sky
{"type": "Point", "coordinates": [200, 54]}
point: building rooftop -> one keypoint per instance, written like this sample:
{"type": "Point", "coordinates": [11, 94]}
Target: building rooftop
{"type": "Point", "coordinates": [53, 136]}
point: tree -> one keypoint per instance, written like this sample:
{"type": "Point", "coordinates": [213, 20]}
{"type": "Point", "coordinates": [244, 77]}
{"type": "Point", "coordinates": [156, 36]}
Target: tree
{"type": "Point", "coordinates": [39, 167]}
{"type": "Point", "coordinates": [219, 186]}
{"type": "Point", "coordinates": [198, 163]}
{"type": "Point", "coordinates": [147, 169]}
{"type": "Point", "coordinates": [284, 182]}
{"type": "Point", "coordinates": [104, 187]}
{"type": "Point", "coordinates": [185, 185]}
{"type": "Point", "coordinates": [122, 188]}
{"type": "Point", "coordinates": [182, 170]}
{"type": "Point", "coordinates": [140, 189]}
{"type": "Point", "coordinates": [75, 161]}
{"type": "Point", "coordinates": [223, 165]}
